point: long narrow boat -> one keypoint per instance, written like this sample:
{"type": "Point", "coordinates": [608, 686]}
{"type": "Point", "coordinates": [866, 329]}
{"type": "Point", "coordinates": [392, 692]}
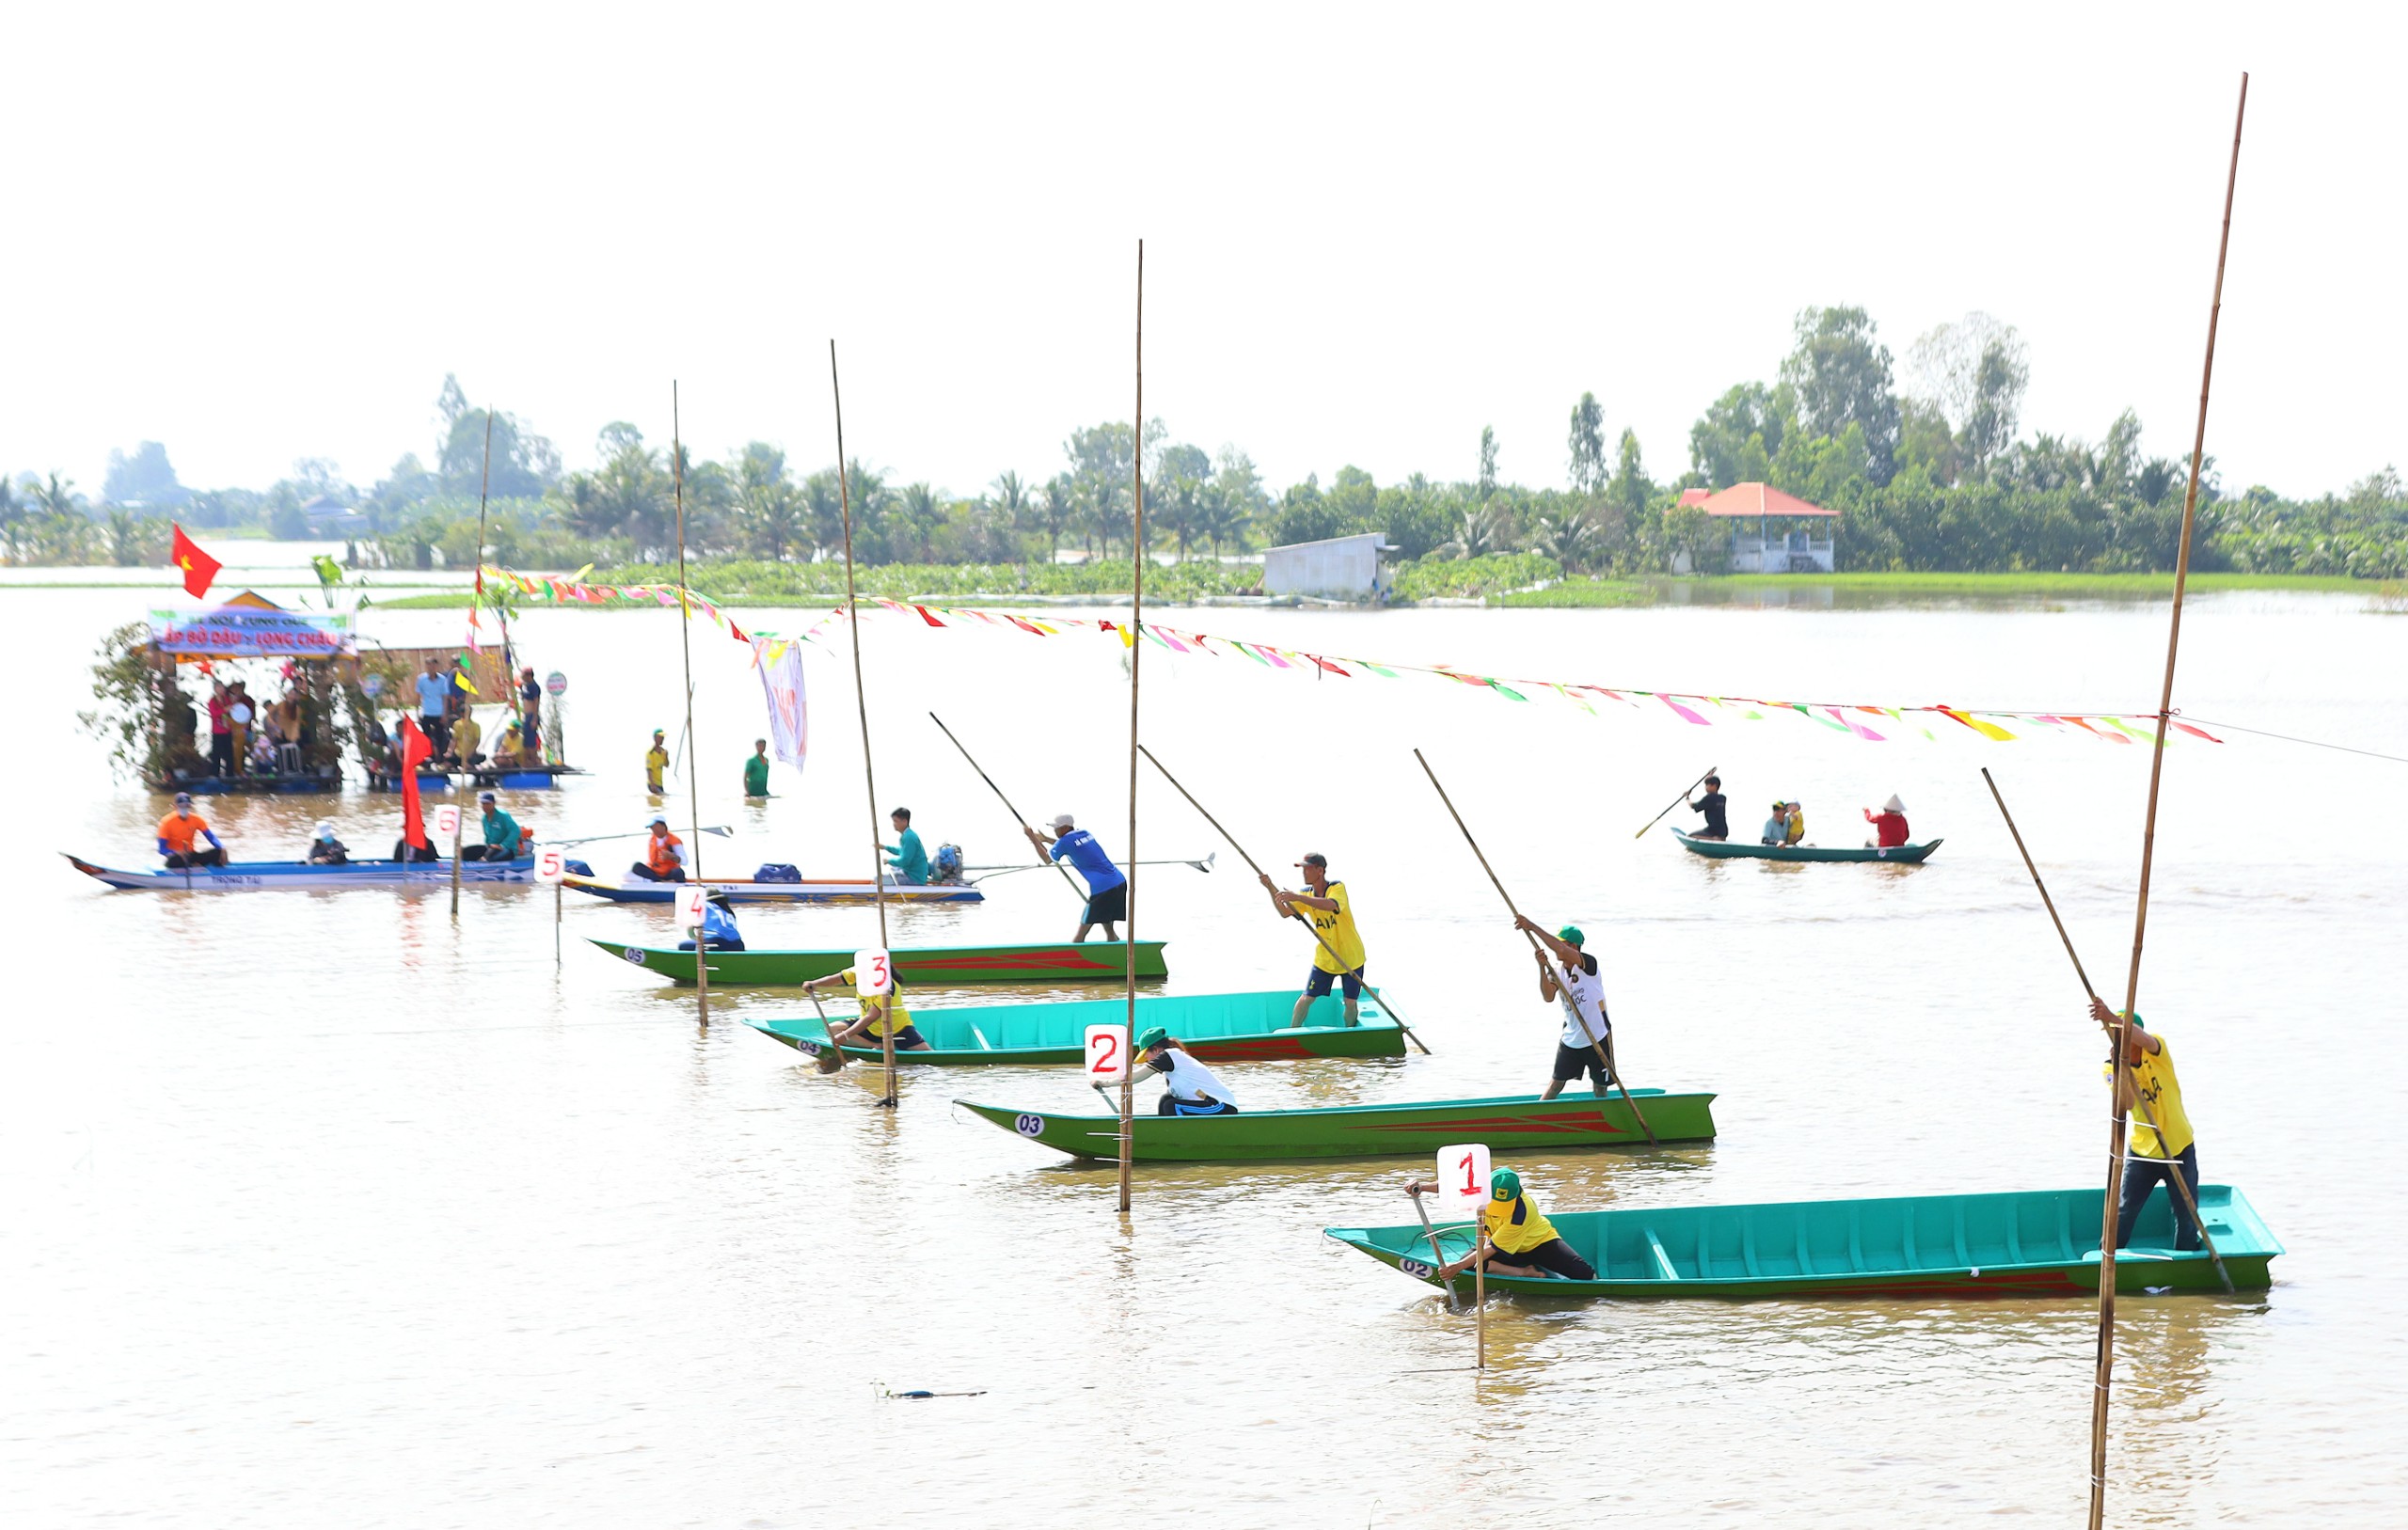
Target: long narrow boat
{"type": "Point", "coordinates": [746, 889]}
{"type": "Point", "coordinates": [1901, 855]}
{"type": "Point", "coordinates": [2027, 1243]}
{"type": "Point", "coordinates": [254, 875]}
{"type": "Point", "coordinates": [1062, 962]}
{"type": "Point", "coordinates": [1216, 1027]}
{"type": "Point", "coordinates": [1346, 1131]}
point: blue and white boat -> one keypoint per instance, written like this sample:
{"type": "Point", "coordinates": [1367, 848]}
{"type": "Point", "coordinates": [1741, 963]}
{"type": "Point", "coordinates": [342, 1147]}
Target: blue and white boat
{"type": "Point", "coordinates": [255, 875]}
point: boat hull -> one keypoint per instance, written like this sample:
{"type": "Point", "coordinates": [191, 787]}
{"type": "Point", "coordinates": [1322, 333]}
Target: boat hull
{"type": "Point", "coordinates": [2023, 1244]}
{"type": "Point", "coordinates": [1215, 1027]}
{"type": "Point", "coordinates": [1895, 855]}
{"type": "Point", "coordinates": [1524, 1122]}
{"type": "Point", "coordinates": [747, 891]}
{"type": "Point", "coordinates": [932, 966]}
{"type": "Point", "coordinates": [267, 876]}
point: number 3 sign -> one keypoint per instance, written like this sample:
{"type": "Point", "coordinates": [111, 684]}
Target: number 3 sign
{"type": "Point", "coordinates": [1462, 1178]}
{"type": "Point", "coordinates": [1107, 1054]}
{"type": "Point", "coordinates": [873, 973]}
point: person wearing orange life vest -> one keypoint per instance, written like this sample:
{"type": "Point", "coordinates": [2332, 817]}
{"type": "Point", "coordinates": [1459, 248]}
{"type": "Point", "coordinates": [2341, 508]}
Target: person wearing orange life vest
{"type": "Point", "coordinates": [664, 855]}
{"type": "Point", "coordinates": [179, 828]}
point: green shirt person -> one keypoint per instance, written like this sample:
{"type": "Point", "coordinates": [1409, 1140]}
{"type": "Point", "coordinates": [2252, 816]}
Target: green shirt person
{"type": "Point", "coordinates": [502, 834]}
{"type": "Point", "coordinates": [756, 769]}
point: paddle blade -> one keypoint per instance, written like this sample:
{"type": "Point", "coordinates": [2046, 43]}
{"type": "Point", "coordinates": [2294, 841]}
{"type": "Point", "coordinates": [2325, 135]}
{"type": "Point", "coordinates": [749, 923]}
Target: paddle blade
{"type": "Point", "coordinates": [829, 1060]}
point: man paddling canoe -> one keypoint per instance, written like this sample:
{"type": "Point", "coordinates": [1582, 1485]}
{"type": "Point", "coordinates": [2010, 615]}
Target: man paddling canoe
{"type": "Point", "coordinates": [1572, 979]}
{"type": "Point", "coordinates": [1338, 951]}
{"type": "Point", "coordinates": [880, 1015]}
{"type": "Point", "coordinates": [1107, 888]}
{"type": "Point", "coordinates": [1717, 810]}
{"type": "Point", "coordinates": [179, 828]}
{"type": "Point", "coordinates": [1520, 1242]}
{"type": "Point", "coordinates": [2145, 1085]}
{"type": "Point", "coordinates": [1189, 1088]}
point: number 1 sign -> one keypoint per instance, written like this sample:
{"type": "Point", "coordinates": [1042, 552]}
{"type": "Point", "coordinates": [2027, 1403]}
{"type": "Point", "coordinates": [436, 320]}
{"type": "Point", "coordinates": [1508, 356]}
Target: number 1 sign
{"type": "Point", "coordinates": [1463, 1178]}
{"type": "Point", "coordinates": [1107, 1054]}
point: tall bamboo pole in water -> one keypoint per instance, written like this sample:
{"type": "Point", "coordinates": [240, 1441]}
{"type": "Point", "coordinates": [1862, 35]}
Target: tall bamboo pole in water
{"type": "Point", "coordinates": [1136, 656]}
{"type": "Point", "coordinates": [693, 771]}
{"type": "Point", "coordinates": [2104, 1376]}
{"type": "Point", "coordinates": [861, 704]}
{"type": "Point", "coordinates": [476, 598]}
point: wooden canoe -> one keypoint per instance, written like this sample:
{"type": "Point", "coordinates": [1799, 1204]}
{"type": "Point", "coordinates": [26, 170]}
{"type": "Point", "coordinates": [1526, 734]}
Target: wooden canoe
{"type": "Point", "coordinates": [1346, 1131]}
{"type": "Point", "coordinates": [745, 890]}
{"type": "Point", "coordinates": [1216, 1027]}
{"type": "Point", "coordinates": [255, 875]}
{"type": "Point", "coordinates": [2028, 1244]}
{"type": "Point", "coordinates": [1097, 961]}
{"type": "Point", "coordinates": [1896, 854]}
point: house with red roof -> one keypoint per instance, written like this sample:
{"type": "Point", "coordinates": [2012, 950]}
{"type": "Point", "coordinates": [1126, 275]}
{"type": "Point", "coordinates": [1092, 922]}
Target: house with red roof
{"type": "Point", "coordinates": [1784, 528]}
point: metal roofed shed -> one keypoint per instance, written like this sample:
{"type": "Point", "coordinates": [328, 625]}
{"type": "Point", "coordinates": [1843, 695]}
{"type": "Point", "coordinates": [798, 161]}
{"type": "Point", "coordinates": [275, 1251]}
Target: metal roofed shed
{"type": "Point", "coordinates": [1794, 550]}
{"type": "Point", "coordinates": [1335, 568]}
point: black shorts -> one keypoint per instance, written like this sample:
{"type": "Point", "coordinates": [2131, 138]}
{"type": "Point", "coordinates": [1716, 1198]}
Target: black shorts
{"type": "Point", "coordinates": [1571, 1062]}
{"type": "Point", "coordinates": [1319, 982]}
{"type": "Point", "coordinates": [905, 1039]}
{"type": "Point", "coordinates": [1554, 1255]}
{"type": "Point", "coordinates": [1109, 906]}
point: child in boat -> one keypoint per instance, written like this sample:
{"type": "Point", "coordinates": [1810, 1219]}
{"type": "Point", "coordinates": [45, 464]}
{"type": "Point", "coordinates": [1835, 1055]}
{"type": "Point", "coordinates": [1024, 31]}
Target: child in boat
{"type": "Point", "coordinates": [1520, 1242]}
{"type": "Point", "coordinates": [1189, 1088]}
{"type": "Point", "coordinates": [877, 1015]}
{"type": "Point", "coordinates": [1890, 824]}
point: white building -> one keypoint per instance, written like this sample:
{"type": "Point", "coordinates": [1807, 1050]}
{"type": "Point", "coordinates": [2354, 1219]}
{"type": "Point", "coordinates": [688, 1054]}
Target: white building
{"type": "Point", "coordinates": [1339, 568]}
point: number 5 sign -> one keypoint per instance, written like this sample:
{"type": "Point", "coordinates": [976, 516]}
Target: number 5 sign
{"type": "Point", "coordinates": [551, 866]}
{"type": "Point", "coordinates": [873, 972]}
{"type": "Point", "coordinates": [1107, 1054]}
{"type": "Point", "coordinates": [1463, 1178]}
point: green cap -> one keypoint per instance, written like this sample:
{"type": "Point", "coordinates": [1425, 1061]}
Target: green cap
{"type": "Point", "coordinates": [1570, 935]}
{"type": "Point", "coordinates": [1504, 1185]}
{"type": "Point", "coordinates": [1151, 1037]}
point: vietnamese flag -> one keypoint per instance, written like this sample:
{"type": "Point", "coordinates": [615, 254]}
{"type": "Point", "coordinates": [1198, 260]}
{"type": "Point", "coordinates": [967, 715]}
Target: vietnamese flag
{"type": "Point", "coordinates": [416, 748]}
{"type": "Point", "coordinates": [199, 568]}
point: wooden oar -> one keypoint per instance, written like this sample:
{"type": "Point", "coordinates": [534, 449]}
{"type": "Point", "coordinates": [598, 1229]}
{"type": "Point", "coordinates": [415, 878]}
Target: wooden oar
{"type": "Point", "coordinates": [1677, 801]}
{"type": "Point", "coordinates": [1260, 872]}
{"type": "Point", "coordinates": [1437, 1255]}
{"type": "Point", "coordinates": [834, 1059]}
{"type": "Point", "coordinates": [1007, 804]}
{"type": "Point", "coordinates": [1595, 1045]}
{"type": "Point", "coordinates": [2149, 1117]}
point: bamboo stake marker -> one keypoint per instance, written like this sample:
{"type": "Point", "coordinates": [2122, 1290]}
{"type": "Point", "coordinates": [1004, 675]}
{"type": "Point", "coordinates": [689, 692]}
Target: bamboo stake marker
{"type": "Point", "coordinates": [694, 769]}
{"type": "Point", "coordinates": [476, 597]}
{"type": "Point", "coordinates": [861, 707]}
{"type": "Point", "coordinates": [2104, 1376]}
{"type": "Point", "coordinates": [1136, 656]}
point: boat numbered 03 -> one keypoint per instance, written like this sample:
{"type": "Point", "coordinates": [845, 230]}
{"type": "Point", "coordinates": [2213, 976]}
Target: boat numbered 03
{"type": "Point", "coordinates": [1215, 1027]}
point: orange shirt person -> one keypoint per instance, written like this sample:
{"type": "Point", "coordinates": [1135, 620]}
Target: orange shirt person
{"type": "Point", "coordinates": [178, 832]}
{"type": "Point", "coordinates": [664, 855]}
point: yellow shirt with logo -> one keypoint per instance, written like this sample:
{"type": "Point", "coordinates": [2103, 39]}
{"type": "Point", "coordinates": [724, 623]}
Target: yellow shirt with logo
{"type": "Point", "coordinates": [655, 760]}
{"type": "Point", "coordinates": [1337, 926]}
{"type": "Point", "coordinates": [2155, 1087]}
{"type": "Point", "coordinates": [1516, 1227]}
{"type": "Point", "coordinates": [894, 1013]}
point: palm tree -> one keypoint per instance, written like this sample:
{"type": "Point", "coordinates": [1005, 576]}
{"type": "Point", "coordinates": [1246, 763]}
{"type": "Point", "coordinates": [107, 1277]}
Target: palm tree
{"type": "Point", "coordinates": [1573, 541]}
{"type": "Point", "coordinates": [1056, 513]}
{"type": "Point", "coordinates": [921, 516]}
{"type": "Point", "coordinates": [1483, 531]}
{"type": "Point", "coordinates": [766, 500]}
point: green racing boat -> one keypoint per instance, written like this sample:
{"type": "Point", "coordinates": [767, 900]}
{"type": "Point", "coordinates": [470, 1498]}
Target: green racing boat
{"type": "Point", "coordinates": [1216, 1027]}
{"type": "Point", "coordinates": [1064, 961]}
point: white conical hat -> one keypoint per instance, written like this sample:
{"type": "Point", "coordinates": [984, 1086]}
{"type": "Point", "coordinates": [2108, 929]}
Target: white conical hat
{"type": "Point", "coordinates": [1893, 805]}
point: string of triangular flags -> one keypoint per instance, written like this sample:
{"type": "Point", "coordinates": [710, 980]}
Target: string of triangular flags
{"type": "Point", "coordinates": [1848, 718]}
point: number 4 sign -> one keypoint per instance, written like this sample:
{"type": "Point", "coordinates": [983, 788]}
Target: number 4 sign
{"type": "Point", "coordinates": [1463, 1178]}
{"type": "Point", "coordinates": [873, 972]}
{"type": "Point", "coordinates": [689, 907]}
{"type": "Point", "coordinates": [1107, 1054]}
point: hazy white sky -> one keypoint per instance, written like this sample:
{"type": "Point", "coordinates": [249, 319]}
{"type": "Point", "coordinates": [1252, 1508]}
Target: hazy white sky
{"type": "Point", "coordinates": [256, 233]}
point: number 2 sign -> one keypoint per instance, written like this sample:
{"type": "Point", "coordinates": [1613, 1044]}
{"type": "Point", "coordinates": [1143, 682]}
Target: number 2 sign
{"type": "Point", "coordinates": [551, 866]}
{"type": "Point", "coordinates": [873, 972]}
{"type": "Point", "coordinates": [1462, 1178]}
{"type": "Point", "coordinates": [1107, 1054]}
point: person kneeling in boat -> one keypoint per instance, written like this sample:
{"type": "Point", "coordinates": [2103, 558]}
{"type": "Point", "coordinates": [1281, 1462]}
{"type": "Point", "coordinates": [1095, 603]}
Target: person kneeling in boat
{"type": "Point", "coordinates": [503, 834]}
{"type": "Point", "coordinates": [179, 828]}
{"type": "Point", "coordinates": [719, 925]}
{"type": "Point", "coordinates": [1521, 1242]}
{"type": "Point", "coordinates": [664, 855]}
{"type": "Point", "coordinates": [880, 1015]}
{"type": "Point", "coordinates": [2145, 1086]}
{"type": "Point", "coordinates": [1888, 824]}
{"type": "Point", "coordinates": [325, 849]}
{"type": "Point", "coordinates": [1189, 1088]}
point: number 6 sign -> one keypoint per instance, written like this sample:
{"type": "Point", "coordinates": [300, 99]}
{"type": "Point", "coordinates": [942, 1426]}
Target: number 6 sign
{"type": "Point", "coordinates": [1107, 1054]}
{"type": "Point", "coordinates": [873, 972]}
{"type": "Point", "coordinates": [447, 821]}
{"type": "Point", "coordinates": [1462, 1178]}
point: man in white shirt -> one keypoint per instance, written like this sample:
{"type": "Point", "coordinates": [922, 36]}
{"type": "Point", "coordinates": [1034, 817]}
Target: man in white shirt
{"type": "Point", "coordinates": [1189, 1088]}
{"type": "Point", "coordinates": [1568, 975]}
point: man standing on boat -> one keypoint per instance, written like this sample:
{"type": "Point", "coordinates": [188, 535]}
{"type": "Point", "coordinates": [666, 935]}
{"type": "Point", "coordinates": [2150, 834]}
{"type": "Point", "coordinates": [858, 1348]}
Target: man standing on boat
{"type": "Point", "coordinates": [434, 705]}
{"type": "Point", "coordinates": [1717, 810]}
{"type": "Point", "coordinates": [2145, 1086]}
{"type": "Point", "coordinates": [1572, 979]}
{"type": "Point", "coordinates": [1189, 1088]}
{"type": "Point", "coordinates": [1521, 1241]}
{"type": "Point", "coordinates": [1338, 948]}
{"type": "Point", "coordinates": [1107, 888]}
{"type": "Point", "coordinates": [179, 828]}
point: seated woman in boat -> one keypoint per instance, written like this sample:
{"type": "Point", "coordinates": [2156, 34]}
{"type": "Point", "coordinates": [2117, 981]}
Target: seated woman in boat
{"type": "Point", "coordinates": [325, 849]}
{"type": "Point", "coordinates": [719, 925]}
{"type": "Point", "coordinates": [880, 1015]}
{"type": "Point", "coordinates": [1189, 1088]}
{"type": "Point", "coordinates": [1890, 824]}
{"type": "Point", "coordinates": [1521, 1242]}
{"type": "Point", "coordinates": [180, 830]}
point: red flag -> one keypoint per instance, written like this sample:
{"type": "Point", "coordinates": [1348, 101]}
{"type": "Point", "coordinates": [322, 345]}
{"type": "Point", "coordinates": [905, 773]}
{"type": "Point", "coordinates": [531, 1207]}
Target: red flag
{"type": "Point", "coordinates": [416, 748]}
{"type": "Point", "coordinates": [199, 568]}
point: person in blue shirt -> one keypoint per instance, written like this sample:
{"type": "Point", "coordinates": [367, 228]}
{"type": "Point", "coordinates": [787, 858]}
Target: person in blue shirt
{"type": "Point", "coordinates": [909, 861]}
{"type": "Point", "coordinates": [719, 927]}
{"type": "Point", "coordinates": [434, 705]}
{"type": "Point", "coordinates": [1107, 888]}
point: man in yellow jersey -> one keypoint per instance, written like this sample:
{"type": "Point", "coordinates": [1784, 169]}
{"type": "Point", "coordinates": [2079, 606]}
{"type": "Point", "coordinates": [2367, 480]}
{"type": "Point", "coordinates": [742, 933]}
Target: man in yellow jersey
{"type": "Point", "coordinates": [2160, 1145]}
{"type": "Point", "coordinates": [1326, 911]}
{"type": "Point", "coordinates": [877, 1017]}
{"type": "Point", "coordinates": [655, 760]}
{"type": "Point", "coordinates": [1520, 1241]}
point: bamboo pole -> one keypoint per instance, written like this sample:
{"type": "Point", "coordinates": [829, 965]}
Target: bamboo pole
{"type": "Point", "coordinates": [693, 767]}
{"type": "Point", "coordinates": [1596, 1044]}
{"type": "Point", "coordinates": [2148, 1118]}
{"type": "Point", "coordinates": [2104, 1376]}
{"type": "Point", "coordinates": [1136, 658]}
{"type": "Point", "coordinates": [861, 706]}
{"type": "Point", "coordinates": [1675, 802]}
{"type": "Point", "coordinates": [1257, 871]}
{"type": "Point", "coordinates": [476, 598]}
{"type": "Point", "coordinates": [1005, 801]}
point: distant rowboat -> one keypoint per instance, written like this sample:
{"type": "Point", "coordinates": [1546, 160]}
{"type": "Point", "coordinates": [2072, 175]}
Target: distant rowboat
{"type": "Point", "coordinates": [746, 889]}
{"type": "Point", "coordinates": [1215, 1027]}
{"type": "Point", "coordinates": [1525, 1121]}
{"type": "Point", "coordinates": [256, 875]}
{"type": "Point", "coordinates": [2029, 1243]}
{"type": "Point", "coordinates": [1064, 961]}
{"type": "Point", "coordinates": [1904, 855]}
